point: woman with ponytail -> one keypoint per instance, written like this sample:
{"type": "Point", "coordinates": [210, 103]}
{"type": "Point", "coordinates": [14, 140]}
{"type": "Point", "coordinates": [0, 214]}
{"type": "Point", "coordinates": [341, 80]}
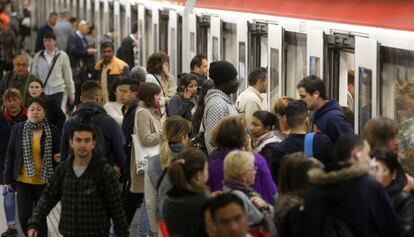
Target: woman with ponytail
{"type": "Point", "coordinates": [175, 139]}
{"type": "Point", "coordinates": [183, 205]}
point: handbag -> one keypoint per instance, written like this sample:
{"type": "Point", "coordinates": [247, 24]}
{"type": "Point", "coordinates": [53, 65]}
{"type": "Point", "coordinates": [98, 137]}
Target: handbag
{"type": "Point", "coordinates": [142, 153]}
{"type": "Point", "coordinates": [199, 141]}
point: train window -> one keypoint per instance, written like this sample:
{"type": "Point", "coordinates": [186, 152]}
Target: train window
{"type": "Point", "coordinates": [315, 65]}
{"type": "Point", "coordinates": [365, 96]}
{"type": "Point", "coordinates": [397, 68]}
{"type": "Point", "coordinates": [215, 49]}
{"type": "Point", "coordinates": [274, 75]}
{"type": "Point", "coordinates": [295, 63]}
{"type": "Point", "coordinates": [242, 66]}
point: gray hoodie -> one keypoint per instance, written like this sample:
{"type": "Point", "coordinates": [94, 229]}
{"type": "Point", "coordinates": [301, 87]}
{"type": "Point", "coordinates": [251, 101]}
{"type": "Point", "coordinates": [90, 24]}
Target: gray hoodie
{"type": "Point", "coordinates": [217, 106]}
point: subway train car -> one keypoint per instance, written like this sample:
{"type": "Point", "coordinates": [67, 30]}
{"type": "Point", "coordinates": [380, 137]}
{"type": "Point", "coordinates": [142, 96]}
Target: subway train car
{"type": "Point", "coordinates": [373, 40]}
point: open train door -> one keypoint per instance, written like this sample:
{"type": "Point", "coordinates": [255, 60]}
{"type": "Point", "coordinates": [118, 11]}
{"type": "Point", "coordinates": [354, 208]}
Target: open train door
{"type": "Point", "coordinates": [191, 46]}
{"type": "Point", "coordinates": [214, 54]}
{"type": "Point", "coordinates": [172, 42]}
{"type": "Point", "coordinates": [241, 53]}
{"type": "Point", "coordinates": [315, 51]}
{"type": "Point", "coordinates": [141, 31]}
{"type": "Point", "coordinates": [366, 75]}
{"type": "Point", "coordinates": [275, 49]}
{"type": "Point", "coordinates": [128, 19]}
{"type": "Point", "coordinates": [117, 24]}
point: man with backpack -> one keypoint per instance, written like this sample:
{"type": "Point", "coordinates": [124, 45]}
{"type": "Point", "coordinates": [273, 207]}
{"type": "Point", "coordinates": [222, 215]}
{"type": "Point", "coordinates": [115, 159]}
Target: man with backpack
{"type": "Point", "coordinates": [345, 199]}
{"type": "Point", "coordinates": [109, 137]}
{"type": "Point", "coordinates": [316, 145]}
{"type": "Point", "coordinates": [88, 190]}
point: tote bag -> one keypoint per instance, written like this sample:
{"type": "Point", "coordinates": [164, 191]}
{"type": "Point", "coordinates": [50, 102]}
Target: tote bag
{"type": "Point", "coordinates": [142, 153]}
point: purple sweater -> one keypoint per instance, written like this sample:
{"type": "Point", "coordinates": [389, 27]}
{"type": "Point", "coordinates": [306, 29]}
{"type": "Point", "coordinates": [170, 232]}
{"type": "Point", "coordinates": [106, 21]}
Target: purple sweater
{"type": "Point", "coordinates": [263, 184]}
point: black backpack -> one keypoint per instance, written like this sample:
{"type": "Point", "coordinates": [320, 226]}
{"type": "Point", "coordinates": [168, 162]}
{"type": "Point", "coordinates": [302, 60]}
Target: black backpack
{"type": "Point", "coordinates": [335, 227]}
{"type": "Point", "coordinates": [93, 120]}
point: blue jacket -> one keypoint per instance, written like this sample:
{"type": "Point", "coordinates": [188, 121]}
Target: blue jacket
{"type": "Point", "coordinates": [330, 120]}
{"type": "Point", "coordinates": [39, 38]}
{"type": "Point", "coordinates": [180, 106]}
{"type": "Point", "coordinates": [76, 51]}
{"type": "Point", "coordinates": [114, 138]}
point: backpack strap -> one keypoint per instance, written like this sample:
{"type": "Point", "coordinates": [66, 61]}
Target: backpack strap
{"type": "Point", "coordinates": [309, 144]}
{"type": "Point", "coordinates": [164, 172]}
{"type": "Point", "coordinates": [51, 68]}
{"type": "Point", "coordinates": [159, 83]}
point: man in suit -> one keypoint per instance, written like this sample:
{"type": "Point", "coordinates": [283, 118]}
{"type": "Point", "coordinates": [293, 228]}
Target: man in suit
{"type": "Point", "coordinates": [129, 50]}
{"type": "Point", "coordinates": [78, 51]}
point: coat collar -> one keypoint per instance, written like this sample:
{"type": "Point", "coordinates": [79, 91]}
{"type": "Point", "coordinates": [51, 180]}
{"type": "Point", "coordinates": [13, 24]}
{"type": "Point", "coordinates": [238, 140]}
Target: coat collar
{"type": "Point", "coordinates": [320, 177]}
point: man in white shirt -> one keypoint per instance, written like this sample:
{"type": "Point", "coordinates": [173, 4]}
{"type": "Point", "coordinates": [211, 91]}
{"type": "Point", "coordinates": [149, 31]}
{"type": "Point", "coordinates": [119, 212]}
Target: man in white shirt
{"type": "Point", "coordinates": [251, 100]}
{"type": "Point", "coordinates": [52, 66]}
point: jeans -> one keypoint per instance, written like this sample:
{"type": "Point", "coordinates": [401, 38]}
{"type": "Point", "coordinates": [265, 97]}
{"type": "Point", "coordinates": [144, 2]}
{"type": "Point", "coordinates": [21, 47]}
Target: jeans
{"type": "Point", "coordinates": [9, 202]}
{"type": "Point", "coordinates": [27, 197]}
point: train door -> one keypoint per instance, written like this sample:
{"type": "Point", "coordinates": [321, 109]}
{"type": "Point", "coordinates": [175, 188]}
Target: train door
{"type": "Point", "coordinates": [172, 42]}
{"type": "Point", "coordinates": [142, 36]}
{"type": "Point", "coordinates": [366, 78]}
{"type": "Point", "coordinates": [155, 30]}
{"type": "Point", "coordinates": [128, 19]}
{"type": "Point", "coordinates": [241, 54]}
{"type": "Point", "coordinates": [117, 25]}
{"type": "Point", "coordinates": [89, 11]}
{"type": "Point", "coordinates": [315, 52]}
{"type": "Point", "coordinates": [228, 47]}
{"type": "Point", "coordinates": [202, 33]}
{"type": "Point", "coordinates": [190, 43]}
{"type": "Point", "coordinates": [164, 16]}
{"type": "Point", "coordinates": [214, 52]}
{"type": "Point", "coordinates": [275, 50]}
{"type": "Point", "coordinates": [294, 61]}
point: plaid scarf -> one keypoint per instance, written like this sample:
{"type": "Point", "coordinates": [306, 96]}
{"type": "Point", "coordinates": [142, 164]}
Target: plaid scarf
{"type": "Point", "coordinates": [237, 185]}
{"type": "Point", "coordinates": [47, 167]}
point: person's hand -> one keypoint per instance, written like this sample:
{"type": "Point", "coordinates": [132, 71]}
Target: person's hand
{"type": "Point", "coordinates": [32, 233]}
{"type": "Point", "coordinates": [91, 51]}
{"type": "Point", "coordinates": [10, 187]}
{"type": "Point", "coordinates": [410, 183]}
{"type": "Point", "coordinates": [258, 202]}
{"type": "Point", "coordinates": [216, 193]}
{"type": "Point", "coordinates": [166, 70]}
{"type": "Point", "coordinates": [71, 99]}
{"type": "Point", "coordinates": [187, 94]}
{"type": "Point", "coordinates": [57, 157]}
{"type": "Point", "coordinates": [167, 100]}
{"type": "Point", "coordinates": [117, 170]}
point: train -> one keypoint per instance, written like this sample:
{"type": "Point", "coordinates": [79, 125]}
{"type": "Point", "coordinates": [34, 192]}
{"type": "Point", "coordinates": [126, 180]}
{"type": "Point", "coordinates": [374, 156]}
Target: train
{"type": "Point", "coordinates": [372, 39]}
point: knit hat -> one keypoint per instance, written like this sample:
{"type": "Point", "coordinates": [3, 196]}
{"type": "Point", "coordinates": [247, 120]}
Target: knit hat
{"type": "Point", "coordinates": [222, 72]}
{"type": "Point", "coordinates": [139, 73]}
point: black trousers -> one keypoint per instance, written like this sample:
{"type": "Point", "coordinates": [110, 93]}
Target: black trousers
{"type": "Point", "coordinates": [27, 197]}
{"type": "Point", "coordinates": [131, 202]}
{"type": "Point", "coordinates": [57, 97]}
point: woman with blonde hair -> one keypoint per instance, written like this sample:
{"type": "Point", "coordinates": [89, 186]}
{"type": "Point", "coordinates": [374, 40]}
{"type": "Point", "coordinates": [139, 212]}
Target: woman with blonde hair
{"type": "Point", "coordinates": [381, 133]}
{"type": "Point", "coordinates": [175, 139]}
{"type": "Point", "coordinates": [280, 107]}
{"type": "Point", "coordinates": [239, 176]}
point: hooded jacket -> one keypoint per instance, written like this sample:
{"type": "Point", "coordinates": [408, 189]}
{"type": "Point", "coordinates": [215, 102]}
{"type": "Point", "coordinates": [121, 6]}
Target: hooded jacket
{"type": "Point", "coordinates": [330, 120]}
{"type": "Point", "coordinates": [351, 194]}
{"type": "Point", "coordinates": [114, 138]}
{"type": "Point", "coordinates": [217, 106]}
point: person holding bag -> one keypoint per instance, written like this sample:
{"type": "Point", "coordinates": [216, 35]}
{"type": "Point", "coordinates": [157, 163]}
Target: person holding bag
{"type": "Point", "coordinates": [147, 136]}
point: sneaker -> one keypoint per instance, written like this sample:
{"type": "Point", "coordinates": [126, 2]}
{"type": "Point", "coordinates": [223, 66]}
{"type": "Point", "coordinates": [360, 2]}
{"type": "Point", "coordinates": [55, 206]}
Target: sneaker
{"type": "Point", "coordinates": [10, 232]}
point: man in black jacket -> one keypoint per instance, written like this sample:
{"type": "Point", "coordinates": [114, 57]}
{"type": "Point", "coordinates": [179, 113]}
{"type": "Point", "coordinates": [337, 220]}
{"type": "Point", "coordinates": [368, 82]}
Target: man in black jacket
{"type": "Point", "coordinates": [91, 97]}
{"type": "Point", "coordinates": [346, 194]}
{"type": "Point", "coordinates": [89, 192]}
{"type": "Point", "coordinates": [129, 50]}
{"type": "Point", "coordinates": [127, 90]}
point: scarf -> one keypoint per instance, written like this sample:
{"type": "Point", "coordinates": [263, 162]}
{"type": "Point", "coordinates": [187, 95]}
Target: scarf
{"type": "Point", "coordinates": [260, 140]}
{"type": "Point", "coordinates": [237, 185]}
{"type": "Point", "coordinates": [47, 167]}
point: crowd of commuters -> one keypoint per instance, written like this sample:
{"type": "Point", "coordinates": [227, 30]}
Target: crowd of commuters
{"type": "Point", "coordinates": [111, 138]}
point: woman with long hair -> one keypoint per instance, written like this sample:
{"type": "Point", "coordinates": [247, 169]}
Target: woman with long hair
{"type": "Point", "coordinates": [184, 203]}
{"type": "Point", "coordinates": [32, 153]}
{"type": "Point", "coordinates": [157, 183]}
